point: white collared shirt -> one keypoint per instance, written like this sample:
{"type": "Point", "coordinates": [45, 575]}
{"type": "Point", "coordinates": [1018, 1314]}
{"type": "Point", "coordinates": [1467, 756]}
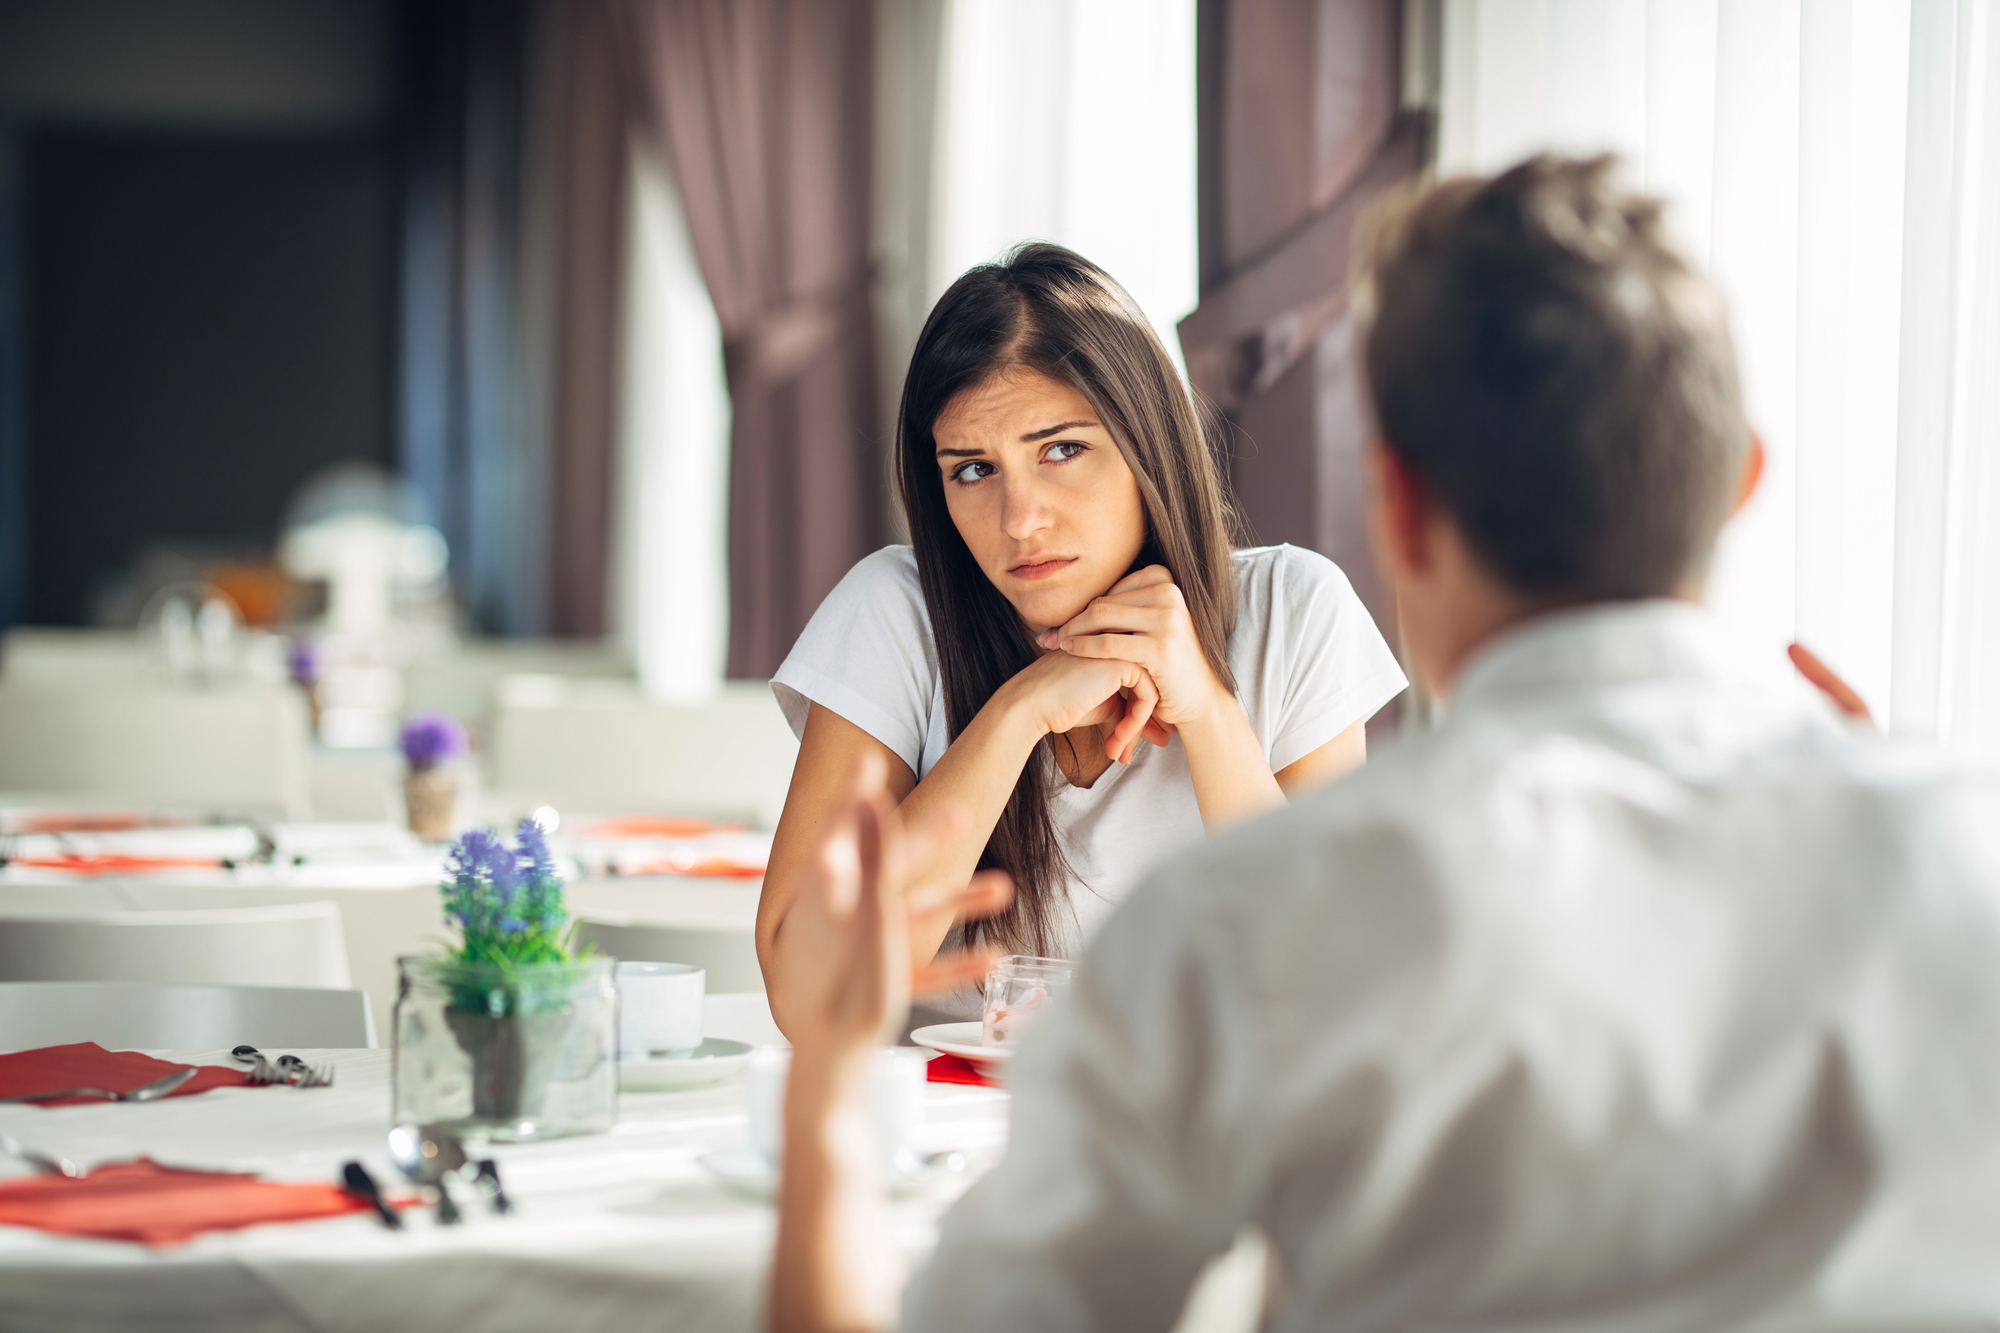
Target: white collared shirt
{"type": "Point", "coordinates": [1632, 997]}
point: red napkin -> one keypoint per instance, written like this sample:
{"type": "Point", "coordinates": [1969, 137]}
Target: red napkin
{"type": "Point", "coordinates": [958, 1069]}
{"type": "Point", "coordinates": [163, 1205]}
{"type": "Point", "coordinates": [715, 868]}
{"type": "Point", "coordinates": [116, 864]}
{"type": "Point", "coordinates": [88, 1065]}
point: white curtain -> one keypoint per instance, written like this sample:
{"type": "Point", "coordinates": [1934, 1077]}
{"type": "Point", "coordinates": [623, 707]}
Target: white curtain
{"type": "Point", "coordinates": [1072, 121]}
{"type": "Point", "coordinates": [670, 567]}
{"type": "Point", "coordinates": [1836, 165]}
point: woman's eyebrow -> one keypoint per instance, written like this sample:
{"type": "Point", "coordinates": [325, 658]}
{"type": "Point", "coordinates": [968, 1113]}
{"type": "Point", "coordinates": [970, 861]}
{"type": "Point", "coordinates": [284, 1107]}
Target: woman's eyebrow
{"type": "Point", "coordinates": [960, 453]}
{"type": "Point", "coordinates": [1047, 431]}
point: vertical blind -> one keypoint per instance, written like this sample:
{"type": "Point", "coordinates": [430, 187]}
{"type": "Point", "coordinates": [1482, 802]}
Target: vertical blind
{"type": "Point", "coordinates": [1836, 166]}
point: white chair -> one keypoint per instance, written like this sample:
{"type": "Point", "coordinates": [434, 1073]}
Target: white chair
{"type": "Point", "coordinates": [242, 749]}
{"type": "Point", "coordinates": [293, 945]}
{"type": "Point", "coordinates": [124, 1017]}
{"type": "Point", "coordinates": [47, 655]}
{"type": "Point", "coordinates": [462, 679]}
{"type": "Point", "coordinates": [603, 745]}
{"type": "Point", "coordinates": [729, 955]}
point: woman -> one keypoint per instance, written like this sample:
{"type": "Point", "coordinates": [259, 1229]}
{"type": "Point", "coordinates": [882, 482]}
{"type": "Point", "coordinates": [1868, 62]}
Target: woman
{"type": "Point", "coordinates": [1068, 655]}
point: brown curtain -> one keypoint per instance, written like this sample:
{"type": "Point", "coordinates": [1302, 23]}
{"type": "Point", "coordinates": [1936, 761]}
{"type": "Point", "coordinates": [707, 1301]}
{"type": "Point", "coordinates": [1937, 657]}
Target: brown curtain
{"type": "Point", "coordinates": [765, 108]}
{"type": "Point", "coordinates": [1301, 128]}
{"type": "Point", "coordinates": [589, 170]}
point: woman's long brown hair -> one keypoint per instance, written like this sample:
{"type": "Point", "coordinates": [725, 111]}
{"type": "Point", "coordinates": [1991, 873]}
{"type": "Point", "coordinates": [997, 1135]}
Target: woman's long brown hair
{"type": "Point", "coordinates": [1046, 309]}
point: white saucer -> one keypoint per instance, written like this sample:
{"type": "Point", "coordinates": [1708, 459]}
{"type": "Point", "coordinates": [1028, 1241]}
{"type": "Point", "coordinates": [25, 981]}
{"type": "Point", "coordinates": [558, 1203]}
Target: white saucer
{"type": "Point", "coordinates": [962, 1040]}
{"type": "Point", "coordinates": [711, 1062]}
{"type": "Point", "coordinates": [744, 1168]}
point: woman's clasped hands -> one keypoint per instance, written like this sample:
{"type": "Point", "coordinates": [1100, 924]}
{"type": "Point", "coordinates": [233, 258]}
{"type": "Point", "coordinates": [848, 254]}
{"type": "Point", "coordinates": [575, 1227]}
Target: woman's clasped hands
{"type": "Point", "coordinates": [1138, 635]}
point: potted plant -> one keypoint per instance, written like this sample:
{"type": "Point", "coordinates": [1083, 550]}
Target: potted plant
{"type": "Point", "coordinates": [431, 744]}
{"type": "Point", "coordinates": [511, 1032]}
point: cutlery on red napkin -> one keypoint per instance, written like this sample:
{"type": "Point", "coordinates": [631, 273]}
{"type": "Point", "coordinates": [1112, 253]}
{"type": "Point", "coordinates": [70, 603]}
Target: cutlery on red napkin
{"type": "Point", "coordinates": [85, 1064]}
{"type": "Point", "coordinates": [162, 1205]}
{"type": "Point", "coordinates": [958, 1069]}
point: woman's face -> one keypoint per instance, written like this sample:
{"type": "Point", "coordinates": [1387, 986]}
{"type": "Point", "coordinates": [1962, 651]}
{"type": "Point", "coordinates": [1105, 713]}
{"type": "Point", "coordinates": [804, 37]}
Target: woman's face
{"type": "Point", "coordinates": [1040, 493]}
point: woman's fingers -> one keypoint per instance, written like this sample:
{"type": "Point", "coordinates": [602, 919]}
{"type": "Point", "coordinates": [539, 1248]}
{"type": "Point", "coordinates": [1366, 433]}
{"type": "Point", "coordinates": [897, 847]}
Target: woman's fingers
{"type": "Point", "coordinates": [1102, 617]}
{"type": "Point", "coordinates": [1139, 649]}
{"type": "Point", "coordinates": [1150, 576]}
{"type": "Point", "coordinates": [1145, 697]}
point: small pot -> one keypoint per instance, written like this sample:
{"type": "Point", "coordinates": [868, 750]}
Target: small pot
{"type": "Point", "coordinates": [431, 796]}
{"type": "Point", "coordinates": [512, 1058]}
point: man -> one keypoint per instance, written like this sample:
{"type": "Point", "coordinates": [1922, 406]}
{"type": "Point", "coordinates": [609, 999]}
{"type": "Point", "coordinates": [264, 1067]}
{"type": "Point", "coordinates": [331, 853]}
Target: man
{"type": "Point", "coordinates": [1629, 997]}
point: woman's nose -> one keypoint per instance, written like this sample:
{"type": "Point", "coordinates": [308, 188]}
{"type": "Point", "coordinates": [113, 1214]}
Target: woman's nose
{"type": "Point", "coordinates": [1023, 511]}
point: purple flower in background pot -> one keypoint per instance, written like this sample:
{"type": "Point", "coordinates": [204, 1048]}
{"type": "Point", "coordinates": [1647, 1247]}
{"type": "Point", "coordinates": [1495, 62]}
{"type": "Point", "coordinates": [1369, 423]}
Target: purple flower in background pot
{"type": "Point", "coordinates": [302, 667]}
{"type": "Point", "coordinates": [302, 661]}
{"type": "Point", "coordinates": [431, 742]}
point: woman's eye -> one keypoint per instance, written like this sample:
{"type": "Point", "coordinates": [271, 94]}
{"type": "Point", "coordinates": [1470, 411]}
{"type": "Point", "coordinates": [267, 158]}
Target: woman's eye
{"type": "Point", "coordinates": [967, 473]}
{"type": "Point", "coordinates": [1065, 450]}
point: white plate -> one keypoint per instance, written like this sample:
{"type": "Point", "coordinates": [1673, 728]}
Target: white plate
{"type": "Point", "coordinates": [711, 1062]}
{"type": "Point", "coordinates": [962, 1040]}
{"type": "Point", "coordinates": [744, 1168]}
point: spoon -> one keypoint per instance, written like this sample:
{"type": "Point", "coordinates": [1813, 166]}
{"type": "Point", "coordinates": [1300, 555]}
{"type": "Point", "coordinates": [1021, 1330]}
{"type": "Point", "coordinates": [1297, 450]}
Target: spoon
{"type": "Point", "coordinates": [429, 1155]}
{"type": "Point", "coordinates": [41, 1161]}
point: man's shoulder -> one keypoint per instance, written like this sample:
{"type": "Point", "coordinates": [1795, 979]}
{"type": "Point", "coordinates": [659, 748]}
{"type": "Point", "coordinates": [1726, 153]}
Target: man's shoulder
{"type": "Point", "coordinates": [1325, 856]}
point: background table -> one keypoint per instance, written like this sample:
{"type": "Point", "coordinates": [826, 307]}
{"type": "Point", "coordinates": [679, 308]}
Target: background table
{"type": "Point", "coordinates": [625, 1230]}
{"type": "Point", "coordinates": [387, 919]}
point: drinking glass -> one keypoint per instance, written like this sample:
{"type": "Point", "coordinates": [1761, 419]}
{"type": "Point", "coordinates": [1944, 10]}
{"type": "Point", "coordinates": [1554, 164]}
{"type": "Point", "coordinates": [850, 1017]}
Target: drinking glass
{"type": "Point", "coordinates": [1016, 989]}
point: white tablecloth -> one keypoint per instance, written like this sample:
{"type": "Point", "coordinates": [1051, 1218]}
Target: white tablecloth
{"type": "Point", "coordinates": [620, 1231]}
{"type": "Point", "coordinates": [387, 907]}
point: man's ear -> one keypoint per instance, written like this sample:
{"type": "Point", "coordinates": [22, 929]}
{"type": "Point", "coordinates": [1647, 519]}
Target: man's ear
{"type": "Point", "coordinates": [1402, 511]}
{"type": "Point", "coordinates": [1753, 473]}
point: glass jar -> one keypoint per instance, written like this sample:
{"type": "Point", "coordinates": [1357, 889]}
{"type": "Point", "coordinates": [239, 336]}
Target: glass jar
{"type": "Point", "coordinates": [506, 1052]}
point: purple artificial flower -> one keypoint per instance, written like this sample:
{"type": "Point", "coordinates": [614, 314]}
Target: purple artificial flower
{"type": "Point", "coordinates": [474, 850]}
{"type": "Point", "coordinates": [431, 738]}
{"type": "Point", "coordinates": [540, 867]}
{"type": "Point", "coordinates": [503, 871]}
{"type": "Point", "coordinates": [302, 662]}
{"type": "Point", "coordinates": [513, 925]}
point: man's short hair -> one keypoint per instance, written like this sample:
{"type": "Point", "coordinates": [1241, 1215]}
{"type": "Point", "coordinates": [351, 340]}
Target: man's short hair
{"type": "Point", "coordinates": [1560, 376]}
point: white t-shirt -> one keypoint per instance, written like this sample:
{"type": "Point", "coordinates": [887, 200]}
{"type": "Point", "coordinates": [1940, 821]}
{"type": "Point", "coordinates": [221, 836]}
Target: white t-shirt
{"type": "Point", "coordinates": [1308, 660]}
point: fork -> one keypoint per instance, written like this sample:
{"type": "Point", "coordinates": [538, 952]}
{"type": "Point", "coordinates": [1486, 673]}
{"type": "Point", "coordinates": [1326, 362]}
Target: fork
{"type": "Point", "coordinates": [287, 1069]}
{"type": "Point", "coordinates": [159, 1087]}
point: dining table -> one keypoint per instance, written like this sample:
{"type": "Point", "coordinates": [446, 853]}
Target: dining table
{"type": "Point", "coordinates": [384, 883]}
{"type": "Point", "coordinates": [623, 1230]}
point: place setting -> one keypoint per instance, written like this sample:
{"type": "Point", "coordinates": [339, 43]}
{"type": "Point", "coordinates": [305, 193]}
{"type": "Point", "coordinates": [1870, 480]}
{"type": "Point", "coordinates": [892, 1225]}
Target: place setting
{"type": "Point", "coordinates": [978, 1052]}
{"type": "Point", "coordinates": [139, 1198]}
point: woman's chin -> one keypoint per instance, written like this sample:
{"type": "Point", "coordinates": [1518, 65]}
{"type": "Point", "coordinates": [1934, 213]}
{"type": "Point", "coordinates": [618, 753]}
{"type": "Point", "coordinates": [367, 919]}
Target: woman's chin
{"type": "Point", "coordinates": [1046, 609]}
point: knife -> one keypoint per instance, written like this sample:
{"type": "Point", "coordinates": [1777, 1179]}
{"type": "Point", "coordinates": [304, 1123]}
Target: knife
{"type": "Point", "coordinates": [359, 1182]}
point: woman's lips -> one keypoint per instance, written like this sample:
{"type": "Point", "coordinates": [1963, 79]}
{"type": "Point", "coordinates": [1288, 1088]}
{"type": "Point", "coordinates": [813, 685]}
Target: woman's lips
{"type": "Point", "coordinates": [1041, 569]}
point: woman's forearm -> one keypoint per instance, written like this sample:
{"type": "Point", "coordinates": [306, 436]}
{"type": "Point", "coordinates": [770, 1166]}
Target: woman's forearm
{"type": "Point", "coordinates": [977, 776]}
{"type": "Point", "coordinates": [1232, 778]}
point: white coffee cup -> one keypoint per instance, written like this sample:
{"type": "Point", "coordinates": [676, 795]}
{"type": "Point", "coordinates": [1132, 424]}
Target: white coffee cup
{"type": "Point", "coordinates": [895, 1101]}
{"type": "Point", "coordinates": [659, 1009]}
